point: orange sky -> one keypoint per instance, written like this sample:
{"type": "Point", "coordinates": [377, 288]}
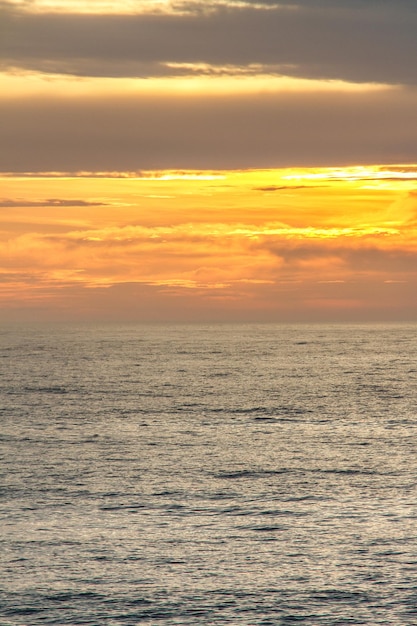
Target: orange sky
{"type": "Point", "coordinates": [156, 165]}
{"type": "Point", "coordinates": [288, 244]}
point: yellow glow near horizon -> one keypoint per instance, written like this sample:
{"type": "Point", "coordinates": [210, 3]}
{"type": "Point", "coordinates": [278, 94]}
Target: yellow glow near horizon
{"type": "Point", "coordinates": [17, 83]}
{"type": "Point", "coordinates": [95, 6]}
{"type": "Point", "coordinates": [257, 237]}
{"type": "Point", "coordinates": [404, 176]}
{"type": "Point", "coordinates": [132, 7]}
{"type": "Point", "coordinates": [357, 173]}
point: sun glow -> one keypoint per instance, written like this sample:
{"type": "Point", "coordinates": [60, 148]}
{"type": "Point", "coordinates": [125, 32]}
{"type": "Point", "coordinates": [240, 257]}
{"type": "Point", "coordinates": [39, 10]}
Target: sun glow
{"type": "Point", "coordinates": [18, 83]}
{"type": "Point", "coordinates": [96, 6]}
{"type": "Point", "coordinates": [359, 173]}
{"type": "Point", "coordinates": [242, 235]}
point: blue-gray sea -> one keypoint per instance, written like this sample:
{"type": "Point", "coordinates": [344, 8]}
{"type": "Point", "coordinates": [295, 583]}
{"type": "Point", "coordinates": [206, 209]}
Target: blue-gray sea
{"type": "Point", "coordinates": [208, 474]}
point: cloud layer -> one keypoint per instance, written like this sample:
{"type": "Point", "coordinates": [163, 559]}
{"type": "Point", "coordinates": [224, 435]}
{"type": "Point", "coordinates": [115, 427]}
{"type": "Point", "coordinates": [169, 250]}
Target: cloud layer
{"type": "Point", "coordinates": [323, 244]}
{"type": "Point", "coordinates": [138, 113]}
{"type": "Point", "coordinates": [357, 41]}
{"type": "Point", "coordinates": [99, 98]}
{"type": "Point", "coordinates": [155, 131]}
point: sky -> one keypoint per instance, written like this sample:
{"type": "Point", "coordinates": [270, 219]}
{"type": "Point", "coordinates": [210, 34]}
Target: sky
{"type": "Point", "coordinates": [225, 160]}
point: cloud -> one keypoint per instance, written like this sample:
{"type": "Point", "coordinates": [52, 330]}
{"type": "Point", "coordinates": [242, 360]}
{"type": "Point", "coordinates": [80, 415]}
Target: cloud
{"type": "Point", "coordinates": [18, 277]}
{"type": "Point", "coordinates": [145, 131]}
{"type": "Point", "coordinates": [271, 188]}
{"type": "Point", "coordinates": [50, 202]}
{"type": "Point", "coordinates": [289, 301]}
{"type": "Point", "coordinates": [362, 258]}
{"type": "Point", "coordinates": [211, 254]}
{"type": "Point", "coordinates": [354, 41]}
{"type": "Point", "coordinates": [334, 4]}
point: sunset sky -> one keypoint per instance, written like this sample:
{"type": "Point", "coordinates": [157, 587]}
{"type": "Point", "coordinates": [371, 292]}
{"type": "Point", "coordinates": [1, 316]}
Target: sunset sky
{"type": "Point", "coordinates": [208, 161]}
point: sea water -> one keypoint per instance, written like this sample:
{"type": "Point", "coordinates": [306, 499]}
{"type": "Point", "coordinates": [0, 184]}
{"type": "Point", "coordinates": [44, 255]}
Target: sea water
{"type": "Point", "coordinates": [208, 474]}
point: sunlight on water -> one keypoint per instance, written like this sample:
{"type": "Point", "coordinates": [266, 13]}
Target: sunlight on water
{"type": "Point", "coordinates": [248, 474]}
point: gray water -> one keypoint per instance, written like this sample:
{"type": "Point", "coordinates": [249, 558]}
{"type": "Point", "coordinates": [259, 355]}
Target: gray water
{"type": "Point", "coordinates": [224, 474]}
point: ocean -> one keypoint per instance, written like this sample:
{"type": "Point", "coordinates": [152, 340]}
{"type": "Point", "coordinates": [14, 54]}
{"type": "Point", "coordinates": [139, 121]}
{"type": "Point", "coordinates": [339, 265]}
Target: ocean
{"type": "Point", "coordinates": [208, 474]}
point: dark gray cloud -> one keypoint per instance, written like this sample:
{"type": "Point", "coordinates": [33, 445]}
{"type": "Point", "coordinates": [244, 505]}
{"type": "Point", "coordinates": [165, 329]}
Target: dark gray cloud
{"type": "Point", "coordinates": [346, 4]}
{"type": "Point", "coordinates": [126, 133]}
{"type": "Point", "coordinates": [363, 41]}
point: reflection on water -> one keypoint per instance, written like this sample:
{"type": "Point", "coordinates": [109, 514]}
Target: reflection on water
{"type": "Point", "coordinates": [250, 474]}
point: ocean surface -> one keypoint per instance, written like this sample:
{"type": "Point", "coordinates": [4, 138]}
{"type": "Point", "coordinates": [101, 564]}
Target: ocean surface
{"type": "Point", "coordinates": [208, 474]}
